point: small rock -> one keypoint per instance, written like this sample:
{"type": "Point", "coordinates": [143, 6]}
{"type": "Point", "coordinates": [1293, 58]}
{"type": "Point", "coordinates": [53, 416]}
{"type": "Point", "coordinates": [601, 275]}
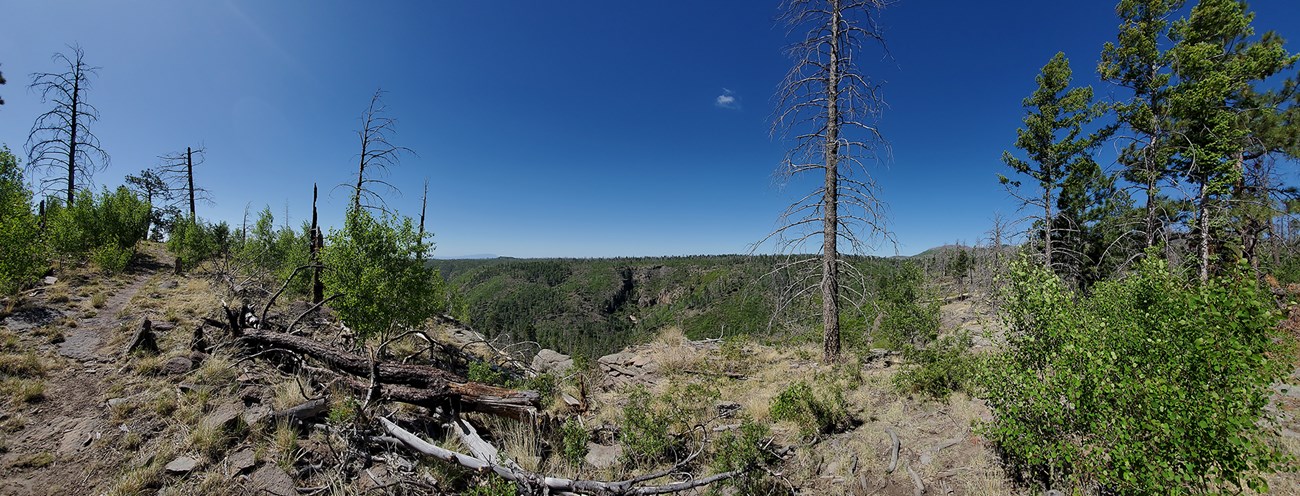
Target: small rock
{"type": "Point", "coordinates": [50, 280]}
{"type": "Point", "coordinates": [241, 461]}
{"type": "Point", "coordinates": [728, 409]}
{"type": "Point", "coordinates": [270, 479]}
{"type": "Point", "coordinates": [178, 365]}
{"type": "Point", "coordinates": [254, 416]}
{"type": "Point", "coordinates": [170, 284]}
{"type": "Point", "coordinates": [182, 465]}
{"type": "Point", "coordinates": [112, 402]}
{"type": "Point", "coordinates": [223, 417]}
{"type": "Point", "coordinates": [601, 456]}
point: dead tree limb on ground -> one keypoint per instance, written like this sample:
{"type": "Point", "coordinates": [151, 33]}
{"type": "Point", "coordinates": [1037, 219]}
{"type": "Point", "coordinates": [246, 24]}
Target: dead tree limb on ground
{"type": "Point", "coordinates": [553, 484]}
{"type": "Point", "coordinates": [408, 383]}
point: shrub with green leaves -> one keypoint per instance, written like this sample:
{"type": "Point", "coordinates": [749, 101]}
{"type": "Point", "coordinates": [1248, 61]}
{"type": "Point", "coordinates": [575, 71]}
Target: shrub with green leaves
{"type": "Point", "coordinates": [1150, 384]}
{"type": "Point", "coordinates": [943, 366]}
{"type": "Point", "coordinates": [654, 428]}
{"type": "Point", "coordinates": [22, 257]}
{"type": "Point", "coordinates": [375, 264]}
{"type": "Point", "coordinates": [104, 227]}
{"type": "Point", "coordinates": [573, 439]}
{"type": "Point", "coordinates": [192, 241]}
{"type": "Point", "coordinates": [742, 450]}
{"type": "Point", "coordinates": [815, 413]}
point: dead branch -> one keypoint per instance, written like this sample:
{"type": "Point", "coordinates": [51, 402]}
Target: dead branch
{"type": "Point", "coordinates": [893, 450]}
{"type": "Point", "coordinates": [550, 484]}
{"type": "Point", "coordinates": [409, 383]}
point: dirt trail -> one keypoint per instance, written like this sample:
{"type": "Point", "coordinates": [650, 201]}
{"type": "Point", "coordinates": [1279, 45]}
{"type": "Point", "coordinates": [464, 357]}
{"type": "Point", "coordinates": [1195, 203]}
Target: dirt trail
{"type": "Point", "coordinates": [69, 423]}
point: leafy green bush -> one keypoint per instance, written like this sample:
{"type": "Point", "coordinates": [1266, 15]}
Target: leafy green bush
{"type": "Point", "coordinates": [654, 428]}
{"type": "Point", "coordinates": [944, 366]}
{"type": "Point", "coordinates": [116, 219]}
{"type": "Point", "coordinates": [574, 439]}
{"type": "Point", "coordinates": [22, 258]}
{"type": "Point", "coordinates": [375, 264]}
{"type": "Point", "coordinates": [192, 241]}
{"type": "Point", "coordinates": [743, 450]}
{"type": "Point", "coordinates": [815, 414]}
{"type": "Point", "coordinates": [1148, 385]}
{"type": "Point", "coordinates": [110, 258]}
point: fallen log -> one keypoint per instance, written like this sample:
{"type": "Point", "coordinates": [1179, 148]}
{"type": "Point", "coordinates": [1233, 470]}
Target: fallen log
{"type": "Point", "coordinates": [550, 484]}
{"type": "Point", "coordinates": [421, 385]}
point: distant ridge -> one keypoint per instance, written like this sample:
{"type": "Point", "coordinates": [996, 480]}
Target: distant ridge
{"type": "Point", "coordinates": [478, 256]}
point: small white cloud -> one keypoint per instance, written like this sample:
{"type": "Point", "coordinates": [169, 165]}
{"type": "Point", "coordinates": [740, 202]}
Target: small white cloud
{"type": "Point", "coordinates": [727, 100]}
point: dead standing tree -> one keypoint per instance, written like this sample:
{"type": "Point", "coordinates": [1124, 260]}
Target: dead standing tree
{"type": "Point", "coordinates": [60, 142]}
{"type": "Point", "coordinates": [377, 153]}
{"type": "Point", "coordinates": [826, 106]}
{"type": "Point", "coordinates": [177, 170]}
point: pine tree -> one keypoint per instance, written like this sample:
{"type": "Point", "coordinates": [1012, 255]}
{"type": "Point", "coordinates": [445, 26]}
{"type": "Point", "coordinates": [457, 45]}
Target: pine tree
{"type": "Point", "coordinates": [1215, 63]}
{"type": "Point", "coordinates": [1056, 145]}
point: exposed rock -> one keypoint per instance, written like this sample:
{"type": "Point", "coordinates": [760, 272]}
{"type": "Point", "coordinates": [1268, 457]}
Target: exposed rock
{"type": "Point", "coordinates": [601, 456]}
{"type": "Point", "coordinates": [172, 284]}
{"type": "Point", "coordinates": [50, 280]}
{"type": "Point", "coordinates": [241, 461]}
{"type": "Point", "coordinates": [112, 402]}
{"type": "Point", "coordinates": [177, 366]}
{"type": "Point", "coordinates": [549, 360]}
{"type": "Point", "coordinates": [270, 479]}
{"type": "Point", "coordinates": [182, 465]}
{"type": "Point", "coordinates": [255, 415]}
{"type": "Point", "coordinates": [28, 318]}
{"type": "Point", "coordinates": [223, 417]}
{"type": "Point", "coordinates": [626, 368]}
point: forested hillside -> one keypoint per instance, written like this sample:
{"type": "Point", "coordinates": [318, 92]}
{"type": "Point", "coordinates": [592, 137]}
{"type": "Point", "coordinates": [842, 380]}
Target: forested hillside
{"type": "Point", "coordinates": [597, 306]}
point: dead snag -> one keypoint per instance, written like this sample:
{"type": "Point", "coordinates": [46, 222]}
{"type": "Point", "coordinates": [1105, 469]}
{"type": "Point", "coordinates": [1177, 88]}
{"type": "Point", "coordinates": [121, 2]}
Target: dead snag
{"type": "Point", "coordinates": [144, 339]}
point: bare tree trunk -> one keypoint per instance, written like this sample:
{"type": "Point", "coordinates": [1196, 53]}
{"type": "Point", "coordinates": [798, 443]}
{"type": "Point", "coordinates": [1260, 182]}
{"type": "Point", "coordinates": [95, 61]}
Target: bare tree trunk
{"type": "Point", "coordinates": [189, 174]}
{"type": "Point", "coordinates": [1047, 225]}
{"type": "Point", "coordinates": [424, 203]}
{"type": "Point", "coordinates": [72, 133]}
{"type": "Point", "coordinates": [317, 289]}
{"type": "Point", "coordinates": [1203, 223]}
{"type": "Point", "coordinates": [830, 198]}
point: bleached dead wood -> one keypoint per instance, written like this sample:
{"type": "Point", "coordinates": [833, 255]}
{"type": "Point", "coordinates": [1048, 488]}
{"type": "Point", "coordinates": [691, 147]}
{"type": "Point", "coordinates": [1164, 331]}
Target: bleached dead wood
{"type": "Point", "coordinates": [551, 484]}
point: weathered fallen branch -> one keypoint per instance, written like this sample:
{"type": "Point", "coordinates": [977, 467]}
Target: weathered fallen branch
{"type": "Point", "coordinates": [919, 488]}
{"type": "Point", "coordinates": [408, 383]}
{"type": "Point", "coordinates": [530, 479]}
{"type": "Point", "coordinates": [893, 450]}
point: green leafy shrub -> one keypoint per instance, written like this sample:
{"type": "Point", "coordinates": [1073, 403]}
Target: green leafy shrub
{"type": "Point", "coordinates": [110, 258]}
{"type": "Point", "coordinates": [1148, 385]}
{"type": "Point", "coordinates": [22, 258]}
{"type": "Point", "coordinates": [573, 439]}
{"type": "Point", "coordinates": [484, 372]}
{"type": "Point", "coordinates": [815, 414]}
{"type": "Point", "coordinates": [653, 428]}
{"type": "Point", "coordinates": [192, 241]}
{"type": "Point", "coordinates": [104, 227]}
{"type": "Point", "coordinates": [743, 450]}
{"type": "Point", "coordinates": [944, 366]}
{"type": "Point", "coordinates": [375, 263]}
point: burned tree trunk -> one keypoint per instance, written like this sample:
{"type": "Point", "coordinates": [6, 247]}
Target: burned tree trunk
{"type": "Point", "coordinates": [316, 243]}
{"type": "Point", "coordinates": [408, 383]}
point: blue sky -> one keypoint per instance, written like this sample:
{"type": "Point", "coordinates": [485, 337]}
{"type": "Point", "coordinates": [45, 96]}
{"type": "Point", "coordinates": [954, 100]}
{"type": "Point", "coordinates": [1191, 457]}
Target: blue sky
{"type": "Point", "coordinates": [577, 128]}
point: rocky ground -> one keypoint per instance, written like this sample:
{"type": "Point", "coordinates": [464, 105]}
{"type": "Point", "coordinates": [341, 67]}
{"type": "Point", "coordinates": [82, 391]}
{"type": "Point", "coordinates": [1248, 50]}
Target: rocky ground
{"type": "Point", "coordinates": [80, 415]}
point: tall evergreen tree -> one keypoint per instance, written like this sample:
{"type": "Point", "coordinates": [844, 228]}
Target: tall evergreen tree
{"type": "Point", "coordinates": [1056, 146]}
{"type": "Point", "coordinates": [1138, 62]}
{"type": "Point", "coordinates": [1216, 62]}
